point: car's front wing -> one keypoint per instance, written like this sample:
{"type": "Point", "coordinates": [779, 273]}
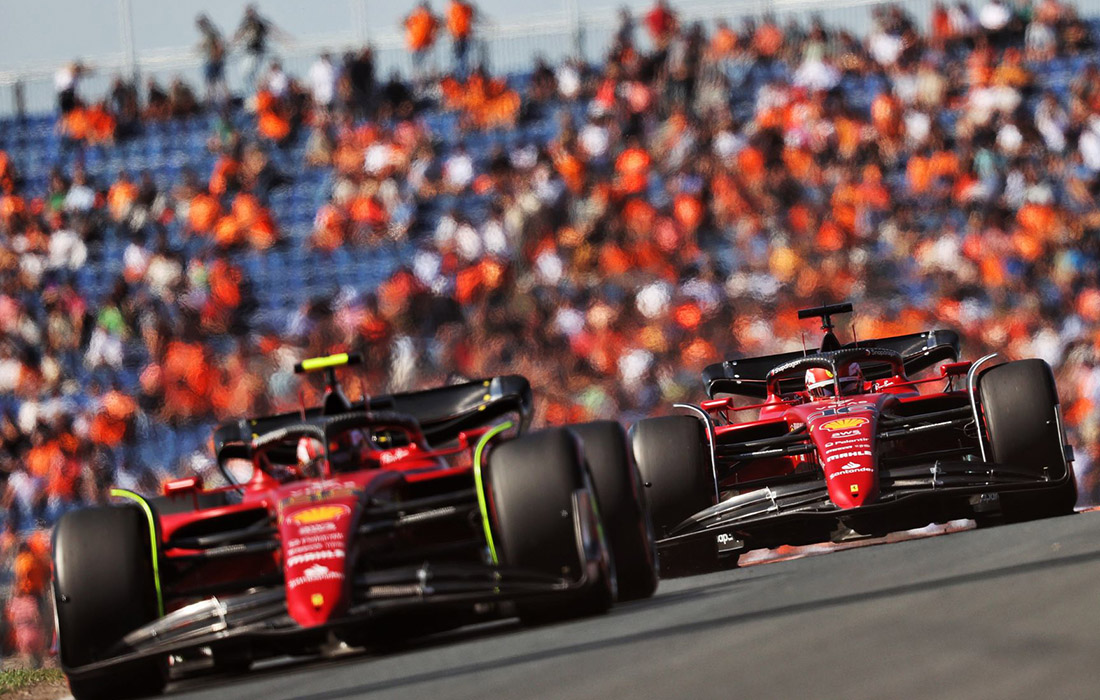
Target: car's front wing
{"type": "Point", "coordinates": [802, 512]}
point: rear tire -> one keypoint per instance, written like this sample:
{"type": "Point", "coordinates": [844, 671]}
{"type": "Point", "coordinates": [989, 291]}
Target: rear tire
{"type": "Point", "coordinates": [104, 588]}
{"type": "Point", "coordinates": [532, 480]}
{"type": "Point", "coordinates": [1020, 403]}
{"type": "Point", "coordinates": [622, 506]}
{"type": "Point", "coordinates": [671, 453]}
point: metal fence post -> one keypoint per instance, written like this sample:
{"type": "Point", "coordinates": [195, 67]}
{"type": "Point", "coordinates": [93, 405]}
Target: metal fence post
{"type": "Point", "coordinates": [126, 34]}
{"type": "Point", "coordinates": [19, 100]}
{"type": "Point", "coordinates": [573, 11]}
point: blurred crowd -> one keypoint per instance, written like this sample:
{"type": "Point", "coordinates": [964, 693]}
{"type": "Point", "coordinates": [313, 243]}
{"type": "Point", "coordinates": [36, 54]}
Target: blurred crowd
{"type": "Point", "coordinates": [699, 185]}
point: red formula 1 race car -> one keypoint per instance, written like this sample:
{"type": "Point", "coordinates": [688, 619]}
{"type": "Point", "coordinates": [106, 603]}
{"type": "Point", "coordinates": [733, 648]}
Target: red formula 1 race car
{"type": "Point", "coordinates": [845, 442]}
{"type": "Point", "coordinates": [395, 515]}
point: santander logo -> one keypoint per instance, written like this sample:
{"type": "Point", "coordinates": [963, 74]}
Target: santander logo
{"type": "Point", "coordinates": [394, 455]}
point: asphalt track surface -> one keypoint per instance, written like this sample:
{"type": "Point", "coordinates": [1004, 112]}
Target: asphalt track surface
{"type": "Point", "coordinates": [1006, 612]}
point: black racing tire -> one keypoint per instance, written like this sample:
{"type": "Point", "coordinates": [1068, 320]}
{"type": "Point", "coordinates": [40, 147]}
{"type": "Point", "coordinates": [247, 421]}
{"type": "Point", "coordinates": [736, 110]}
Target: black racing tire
{"type": "Point", "coordinates": [531, 480]}
{"type": "Point", "coordinates": [1020, 403]}
{"type": "Point", "coordinates": [671, 453]}
{"type": "Point", "coordinates": [104, 588]}
{"type": "Point", "coordinates": [623, 511]}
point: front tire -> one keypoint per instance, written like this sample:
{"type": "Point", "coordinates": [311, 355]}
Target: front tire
{"type": "Point", "coordinates": [671, 453]}
{"type": "Point", "coordinates": [622, 507]}
{"type": "Point", "coordinates": [1020, 403]}
{"type": "Point", "coordinates": [104, 588]}
{"type": "Point", "coordinates": [532, 481]}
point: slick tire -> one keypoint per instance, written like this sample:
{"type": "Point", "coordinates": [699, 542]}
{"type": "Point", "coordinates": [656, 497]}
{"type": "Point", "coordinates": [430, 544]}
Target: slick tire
{"type": "Point", "coordinates": [532, 481]}
{"type": "Point", "coordinates": [1020, 403]}
{"type": "Point", "coordinates": [104, 588]}
{"type": "Point", "coordinates": [671, 453]}
{"type": "Point", "coordinates": [622, 506]}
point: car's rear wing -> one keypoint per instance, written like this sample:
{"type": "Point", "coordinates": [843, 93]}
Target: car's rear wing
{"type": "Point", "coordinates": [442, 412]}
{"type": "Point", "coordinates": [748, 377]}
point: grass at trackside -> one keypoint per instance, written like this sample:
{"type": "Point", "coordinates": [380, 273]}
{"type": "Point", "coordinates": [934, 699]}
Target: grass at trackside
{"type": "Point", "coordinates": [21, 678]}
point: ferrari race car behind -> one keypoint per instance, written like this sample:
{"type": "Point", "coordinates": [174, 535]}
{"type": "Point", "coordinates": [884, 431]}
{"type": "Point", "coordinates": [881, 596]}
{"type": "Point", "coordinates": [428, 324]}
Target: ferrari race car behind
{"type": "Point", "coordinates": [846, 441]}
{"type": "Point", "coordinates": [394, 516]}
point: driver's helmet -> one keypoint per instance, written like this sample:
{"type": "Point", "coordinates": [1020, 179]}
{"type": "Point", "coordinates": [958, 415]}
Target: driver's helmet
{"type": "Point", "coordinates": [350, 451]}
{"type": "Point", "coordinates": [310, 449]}
{"type": "Point", "coordinates": [819, 381]}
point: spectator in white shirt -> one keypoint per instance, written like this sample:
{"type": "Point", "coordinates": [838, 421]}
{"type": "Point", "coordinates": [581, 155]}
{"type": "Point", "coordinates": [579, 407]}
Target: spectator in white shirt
{"type": "Point", "coordinates": [322, 81]}
{"type": "Point", "coordinates": [81, 197]}
{"type": "Point", "coordinates": [995, 18]}
{"type": "Point", "coordinates": [458, 170]}
{"type": "Point", "coordinates": [65, 82]}
{"type": "Point", "coordinates": [276, 81]}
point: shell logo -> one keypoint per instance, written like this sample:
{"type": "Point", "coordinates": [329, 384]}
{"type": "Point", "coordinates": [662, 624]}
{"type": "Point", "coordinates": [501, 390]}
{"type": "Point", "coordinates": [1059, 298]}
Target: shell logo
{"type": "Point", "coordinates": [319, 514]}
{"type": "Point", "coordinates": [844, 424]}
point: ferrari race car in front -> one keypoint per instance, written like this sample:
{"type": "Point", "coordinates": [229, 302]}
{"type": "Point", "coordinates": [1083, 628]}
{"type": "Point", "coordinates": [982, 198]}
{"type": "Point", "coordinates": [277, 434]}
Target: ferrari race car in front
{"type": "Point", "coordinates": [355, 523]}
{"type": "Point", "coordinates": [845, 443]}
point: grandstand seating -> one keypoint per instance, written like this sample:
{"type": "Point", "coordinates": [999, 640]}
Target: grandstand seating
{"type": "Point", "coordinates": [284, 278]}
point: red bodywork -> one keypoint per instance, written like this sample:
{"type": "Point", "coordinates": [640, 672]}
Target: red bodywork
{"type": "Point", "coordinates": [841, 429]}
{"type": "Point", "coordinates": [316, 520]}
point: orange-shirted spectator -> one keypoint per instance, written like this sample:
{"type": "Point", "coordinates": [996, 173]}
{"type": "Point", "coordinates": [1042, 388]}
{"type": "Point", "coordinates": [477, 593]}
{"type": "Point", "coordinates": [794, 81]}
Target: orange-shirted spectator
{"type": "Point", "coordinates": [101, 124]}
{"type": "Point", "coordinates": [113, 421]}
{"type": "Point", "coordinates": [979, 65]}
{"type": "Point", "coordinates": [203, 213]}
{"type": "Point", "coordinates": [224, 175]}
{"type": "Point", "coordinates": [460, 25]}
{"type": "Point", "coordinates": [12, 206]}
{"type": "Point", "coordinates": [688, 212]}
{"type": "Point", "coordinates": [487, 103]}
{"type": "Point", "coordinates": [843, 201]}
{"type": "Point", "coordinates": [225, 285]}
{"type": "Point", "coordinates": [768, 39]}
{"type": "Point", "coordinates": [1011, 71]}
{"type": "Point", "coordinates": [886, 115]}
{"type": "Point", "coordinates": [750, 163]}
{"type": "Point", "coordinates": [723, 42]}
{"type": "Point", "coordinates": [121, 196]}
{"type": "Point", "coordinates": [271, 122]}
{"type": "Point", "coordinates": [330, 228]}
{"type": "Point", "coordinates": [7, 171]}
{"type": "Point", "coordinates": [76, 124]}
{"type": "Point", "coordinates": [570, 167]}
{"type": "Point", "coordinates": [44, 457]}
{"type": "Point", "coordinates": [918, 174]}
{"type": "Point", "coordinates": [632, 167]}
{"type": "Point", "coordinates": [31, 575]}
{"type": "Point", "coordinates": [186, 380]}
{"type": "Point", "coordinates": [248, 221]}
{"type": "Point", "coordinates": [368, 212]}
{"type": "Point", "coordinates": [830, 236]}
{"type": "Point", "coordinates": [872, 193]}
{"type": "Point", "coordinates": [421, 26]}
{"type": "Point", "coordinates": [942, 31]}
